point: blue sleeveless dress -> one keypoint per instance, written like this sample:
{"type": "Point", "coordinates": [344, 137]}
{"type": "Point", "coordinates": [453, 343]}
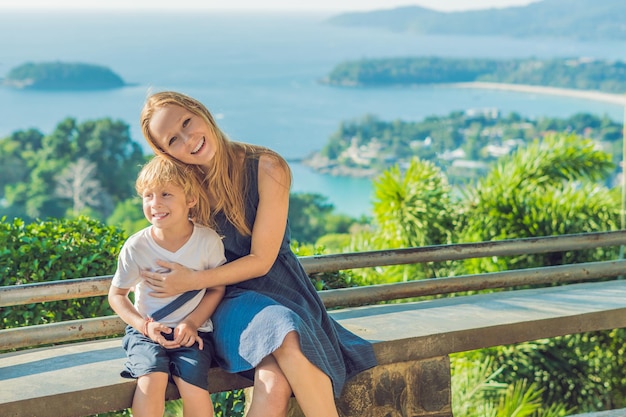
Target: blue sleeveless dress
{"type": "Point", "coordinates": [255, 315]}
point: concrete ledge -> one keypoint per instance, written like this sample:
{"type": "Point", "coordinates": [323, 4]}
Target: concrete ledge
{"type": "Point", "coordinates": [428, 329]}
{"type": "Point", "coordinates": [77, 379]}
{"type": "Point", "coordinates": [608, 413]}
{"type": "Point", "coordinates": [81, 379]}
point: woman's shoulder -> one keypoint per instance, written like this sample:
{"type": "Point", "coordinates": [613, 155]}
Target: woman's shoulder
{"type": "Point", "coordinates": [273, 166]}
{"type": "Point", "coordinates": [270, 160]}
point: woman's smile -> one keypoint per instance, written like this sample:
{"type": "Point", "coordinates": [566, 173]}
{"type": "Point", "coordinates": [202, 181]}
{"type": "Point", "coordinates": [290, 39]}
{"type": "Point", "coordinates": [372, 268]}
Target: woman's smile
{"type": "Point", "coordinates": [198, 146]}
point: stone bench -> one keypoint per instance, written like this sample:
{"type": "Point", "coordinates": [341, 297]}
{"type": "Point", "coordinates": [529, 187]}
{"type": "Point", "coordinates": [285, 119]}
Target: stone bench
{"type": "Point", "coordinates": [412, 342]}
{"type": "Point", "coordinates": [608, 413]}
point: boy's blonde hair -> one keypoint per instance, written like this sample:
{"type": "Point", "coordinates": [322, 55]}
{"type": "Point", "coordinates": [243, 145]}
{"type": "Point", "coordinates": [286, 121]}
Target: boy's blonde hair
{"type": "Point", "coordinates": [161, 171]}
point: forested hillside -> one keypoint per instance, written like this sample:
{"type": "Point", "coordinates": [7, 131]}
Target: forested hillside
{"type": "Point", "coordinates": [573, 73]}
{"type": "Point", "coordinates": [464, 144]}
{"type": "Point", "coordinates": [574, 19]}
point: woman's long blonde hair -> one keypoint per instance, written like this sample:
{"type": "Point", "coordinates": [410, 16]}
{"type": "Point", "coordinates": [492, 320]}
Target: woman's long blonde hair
{"type": "Point", "coordinates": [226, 181]}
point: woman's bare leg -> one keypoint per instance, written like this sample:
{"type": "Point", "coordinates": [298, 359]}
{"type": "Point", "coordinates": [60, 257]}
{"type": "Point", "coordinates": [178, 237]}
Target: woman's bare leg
{"type": "Point", "coordinates": [312, 387]}
{"type": "Point", "coordinates": [270, 397]}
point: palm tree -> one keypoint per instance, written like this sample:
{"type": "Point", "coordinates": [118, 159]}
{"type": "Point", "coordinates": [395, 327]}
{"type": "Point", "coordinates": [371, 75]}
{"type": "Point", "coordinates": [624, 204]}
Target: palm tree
{"type": "Point", "coordinates": [552, 187]}
{"type": "Point", "coordinates": [477, 390]}
{"type": "Point", "coordinates": [412, 207]}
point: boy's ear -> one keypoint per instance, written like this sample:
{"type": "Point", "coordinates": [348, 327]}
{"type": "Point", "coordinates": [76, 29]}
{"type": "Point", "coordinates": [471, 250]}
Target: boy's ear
{"type": "Point", "coordinates": [192, 202]}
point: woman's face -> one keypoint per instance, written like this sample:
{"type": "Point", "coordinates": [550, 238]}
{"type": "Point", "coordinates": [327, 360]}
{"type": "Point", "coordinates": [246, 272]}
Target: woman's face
{"type": "Point", "coordinates": [183, 135]}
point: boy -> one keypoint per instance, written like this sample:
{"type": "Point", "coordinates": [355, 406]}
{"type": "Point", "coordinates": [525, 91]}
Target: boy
{"type": "Point", "coordinates": [166, 337]}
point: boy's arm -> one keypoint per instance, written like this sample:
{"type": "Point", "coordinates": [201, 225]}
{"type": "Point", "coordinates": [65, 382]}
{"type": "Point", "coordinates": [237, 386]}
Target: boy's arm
{"type": "Point", "coordinates": [121, 304]}
{"type": "Point", "coordinates": [186, 333]}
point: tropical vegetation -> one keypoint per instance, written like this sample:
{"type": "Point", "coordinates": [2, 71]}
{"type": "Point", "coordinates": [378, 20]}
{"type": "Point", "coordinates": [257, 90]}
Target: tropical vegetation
{"type": "Point", "coordinates": [551, 185]}
{"type": "Point", "coordinates": [86, 167]}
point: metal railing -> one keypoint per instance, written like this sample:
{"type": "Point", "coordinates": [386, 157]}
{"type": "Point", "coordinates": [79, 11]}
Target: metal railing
{"type": "Point", "coordinates": [562, 274]}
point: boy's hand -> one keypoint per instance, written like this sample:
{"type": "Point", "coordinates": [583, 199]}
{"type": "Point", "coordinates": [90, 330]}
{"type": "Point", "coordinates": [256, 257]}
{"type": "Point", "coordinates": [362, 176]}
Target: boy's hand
{"type": "Point", "coordinates": [155, 330]}
{"type": "Point", "coordinates": [186, 334]}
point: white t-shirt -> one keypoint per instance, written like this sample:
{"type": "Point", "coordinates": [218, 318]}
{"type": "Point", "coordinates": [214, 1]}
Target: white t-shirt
{"type": "Point", "coordinates": [203, 250]}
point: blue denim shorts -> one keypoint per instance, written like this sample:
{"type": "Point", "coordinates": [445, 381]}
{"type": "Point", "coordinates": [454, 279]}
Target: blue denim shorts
{"type": "Point", "coordinates": [145, 356]}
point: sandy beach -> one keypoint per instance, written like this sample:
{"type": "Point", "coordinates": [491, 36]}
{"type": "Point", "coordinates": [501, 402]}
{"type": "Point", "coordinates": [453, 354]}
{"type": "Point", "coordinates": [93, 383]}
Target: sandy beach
{"type": "Point", "coordinates": [619, 99]}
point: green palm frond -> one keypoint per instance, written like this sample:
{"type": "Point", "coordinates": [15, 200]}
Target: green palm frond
{"type": "Point", "coordinates": [520, 400]}
{"type": "Point", "coordinates": [549, 188]}
{"type": "Point", "coordinates": [473, 384]}
{"type": "Point", "coordinates": [412, 207]}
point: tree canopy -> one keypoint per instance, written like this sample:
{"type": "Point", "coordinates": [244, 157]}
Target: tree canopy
{"type": "Point", "coordinates": [98, 157]}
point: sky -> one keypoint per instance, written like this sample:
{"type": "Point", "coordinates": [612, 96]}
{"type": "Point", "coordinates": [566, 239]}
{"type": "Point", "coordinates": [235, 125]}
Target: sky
{"type": "Point", "coordinates": [252, 5]}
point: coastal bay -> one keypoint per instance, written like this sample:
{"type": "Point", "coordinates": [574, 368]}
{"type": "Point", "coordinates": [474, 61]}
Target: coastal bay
{"type": "Point", "coordinates": [465, 142]}
{"type": "Point", "coordinates": [267, 91]}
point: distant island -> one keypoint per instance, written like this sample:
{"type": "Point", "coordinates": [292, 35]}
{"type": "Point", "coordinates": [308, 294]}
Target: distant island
{"type": "Point", "coordinates": [570, 73]}
{"type": "Point", "coordinates": [62, 76]}
{"type": "Point", "coordinates": [581, 20]}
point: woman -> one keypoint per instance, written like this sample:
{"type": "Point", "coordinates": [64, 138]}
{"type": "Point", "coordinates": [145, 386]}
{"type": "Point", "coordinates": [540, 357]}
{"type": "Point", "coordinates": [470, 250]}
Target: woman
{"type": "Point", "coordinates": [271, 321]}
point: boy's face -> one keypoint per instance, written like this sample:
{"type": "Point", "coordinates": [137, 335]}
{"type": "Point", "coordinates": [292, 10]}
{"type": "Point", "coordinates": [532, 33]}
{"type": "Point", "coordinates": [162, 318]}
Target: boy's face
{"type": "Point", "coordinates": [166, 206]}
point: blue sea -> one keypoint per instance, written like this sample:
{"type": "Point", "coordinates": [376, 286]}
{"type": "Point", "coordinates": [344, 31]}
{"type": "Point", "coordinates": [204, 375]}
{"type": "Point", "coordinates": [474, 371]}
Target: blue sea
{"type": "Point", "coordinates": [259, 74]}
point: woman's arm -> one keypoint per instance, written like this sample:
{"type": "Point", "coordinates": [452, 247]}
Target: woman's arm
{"type": "Point", "coordinates": [206, 307]}
{"type": "Point", "coordinates": [267, 235]}
{"type": "Point", "coordinates": [186, 333]}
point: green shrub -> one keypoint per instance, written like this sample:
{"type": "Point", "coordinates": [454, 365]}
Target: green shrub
{"type": "Point", "coordinates": [51, 250]}
{"type": "Point", "coordinates": [583, 371]}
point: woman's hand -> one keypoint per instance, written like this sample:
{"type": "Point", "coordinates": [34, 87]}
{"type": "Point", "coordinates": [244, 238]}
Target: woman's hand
{"type": "Point", "coordinates": [178, 280]}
